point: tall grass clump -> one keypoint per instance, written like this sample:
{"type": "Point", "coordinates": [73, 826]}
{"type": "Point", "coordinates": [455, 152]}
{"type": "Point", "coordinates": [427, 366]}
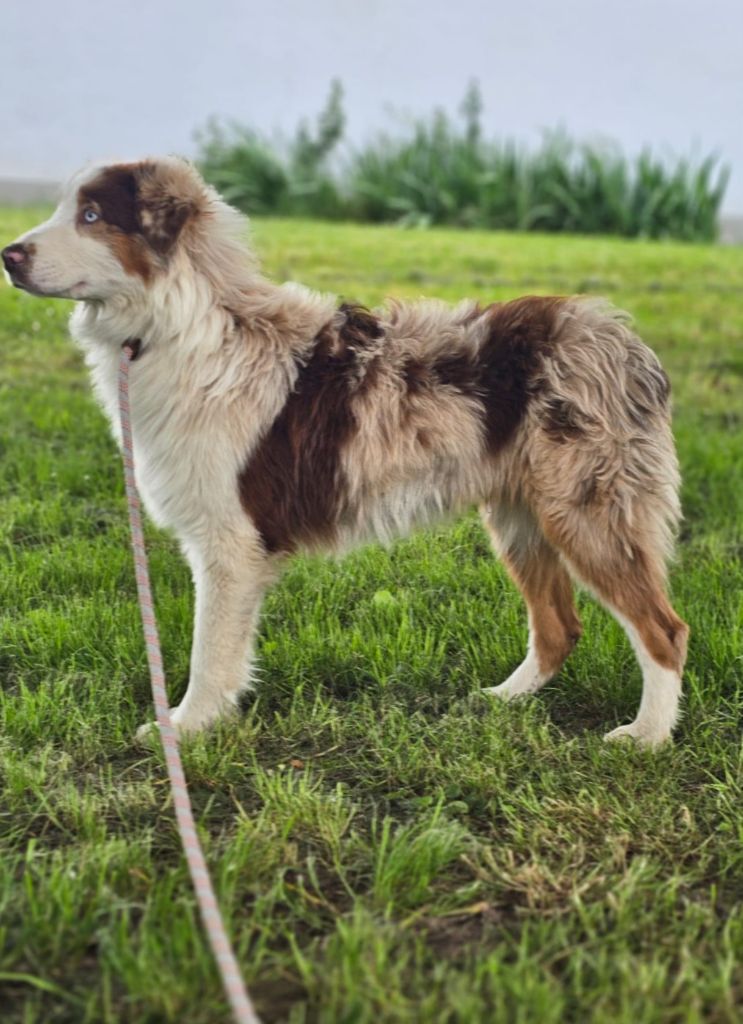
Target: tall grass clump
{"type": "Point", "coordinates": [287, 178]}
{"type": "Point", "coordinates": [441, 170]}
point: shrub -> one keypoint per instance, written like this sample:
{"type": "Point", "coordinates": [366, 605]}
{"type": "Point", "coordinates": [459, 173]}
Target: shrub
{"type": "Point", "coordinates": [441, 175]}
{"type": "Point", "coordinates": [441, 170]}
{"type": "Point", "coordinates": [259, 177]}
{"type": "Point", "coordinates": [243, 167]}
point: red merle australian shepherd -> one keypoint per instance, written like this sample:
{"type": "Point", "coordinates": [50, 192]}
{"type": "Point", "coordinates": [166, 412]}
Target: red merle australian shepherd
{"type": "Point", "coordinates": [267, 420]}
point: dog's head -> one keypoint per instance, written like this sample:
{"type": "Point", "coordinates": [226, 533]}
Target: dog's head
{"type": "Point", "coordinates": [116, 228]}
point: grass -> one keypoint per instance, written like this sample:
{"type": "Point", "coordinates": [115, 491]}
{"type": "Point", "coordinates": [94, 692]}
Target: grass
{"type": "Point", "coordinates": [386, 846]}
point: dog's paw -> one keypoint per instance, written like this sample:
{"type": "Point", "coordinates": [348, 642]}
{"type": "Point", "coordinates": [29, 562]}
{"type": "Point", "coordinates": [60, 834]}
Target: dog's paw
{"type": "Point", "coordinates": [523, 681]}
{"type": "Point", "coordinates": [505, 691]}
{"type": "Point", "coordinates": [188, 721]}
{"type": "Point", "coordinates": [636, 734]}
{"type": "Point", "coordinates": [148, 733]}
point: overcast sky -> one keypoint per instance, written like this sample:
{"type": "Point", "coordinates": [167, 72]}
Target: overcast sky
{"type": "Point", "coordinates": [84, 79]}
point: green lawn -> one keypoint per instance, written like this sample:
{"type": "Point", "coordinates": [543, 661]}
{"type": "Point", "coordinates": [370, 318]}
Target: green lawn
{"type": "Point", "coordinates": [387, 846]}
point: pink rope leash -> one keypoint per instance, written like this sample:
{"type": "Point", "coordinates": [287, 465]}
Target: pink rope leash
{"type": "Point", "coordinates": [242, 1008]}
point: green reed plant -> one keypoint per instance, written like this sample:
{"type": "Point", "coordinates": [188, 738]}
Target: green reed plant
{"type": "Point", "coordinates": [442, 170]}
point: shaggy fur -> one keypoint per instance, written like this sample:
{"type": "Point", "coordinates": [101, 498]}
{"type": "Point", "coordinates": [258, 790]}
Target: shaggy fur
{"type": "Point", "coordinates": [269, 420]}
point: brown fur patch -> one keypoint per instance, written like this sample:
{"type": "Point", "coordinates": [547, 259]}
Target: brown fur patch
{"type": "Point", "coordinates": [416, 376]}
{"type": "Point", "coordinates": [163, 218]}
{"type": "Point", "coordinates": [360, 326]}
{"type": "Point", "coordinates": [139, 217]}
{"type": "Point", "coordinates": [360, 329]}
{"type": "Point", "coordinates": [461, 372]}
{"type": "Point", "coordinates": [549, 596]}
{"type": "Point", "coordinates": [561, 422]}
{"type": "Point", "coordinates": [114, 195]}
{"type": "Point", "coordinates": [648, 393]}
{"type": "Point", "coordinates": [521, 333]}
{"type": "Point", "coordinates": [131, 253]}
{"type": "Point", "coordinates": [664, 634]}
{"type": "Point", "coordinates": [503, 374]}
{"type": "Point", "coordinates": [293, 485]}
{"type": "Point", "coordinates": [632, 586]}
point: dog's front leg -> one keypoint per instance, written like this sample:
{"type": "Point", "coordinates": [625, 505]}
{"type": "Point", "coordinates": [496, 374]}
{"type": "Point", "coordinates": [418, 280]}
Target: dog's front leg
{"type": "Point", "coordinates": [228, 599]}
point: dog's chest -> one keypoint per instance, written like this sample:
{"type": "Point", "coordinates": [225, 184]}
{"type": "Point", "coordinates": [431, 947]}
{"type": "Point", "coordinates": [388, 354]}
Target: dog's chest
{"type": "Point", "coordinates": [185, 460]}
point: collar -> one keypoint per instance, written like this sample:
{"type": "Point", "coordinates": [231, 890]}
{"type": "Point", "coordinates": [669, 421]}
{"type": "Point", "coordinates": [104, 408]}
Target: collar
{"type": "Point", "coordinates": [134, 346]}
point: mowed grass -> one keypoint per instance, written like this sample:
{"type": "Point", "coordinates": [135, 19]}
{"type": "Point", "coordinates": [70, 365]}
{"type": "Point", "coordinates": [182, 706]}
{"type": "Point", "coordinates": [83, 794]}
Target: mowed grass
{"type": "Point", "coordinates": [386, 844]}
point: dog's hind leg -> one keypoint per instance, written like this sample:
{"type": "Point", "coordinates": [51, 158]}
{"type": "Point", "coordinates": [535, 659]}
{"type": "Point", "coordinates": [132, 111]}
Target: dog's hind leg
{"type": "Point", "coordinates": [624, 568]}
{"type": "Point", "coordinates": [602, 479]}
{"type": "Point", "coordinates": [535, 567]}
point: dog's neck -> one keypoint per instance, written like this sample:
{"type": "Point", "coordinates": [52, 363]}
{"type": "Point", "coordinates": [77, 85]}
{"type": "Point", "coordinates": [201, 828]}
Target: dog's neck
{"type": "Point", "coordinates": [185, 313]}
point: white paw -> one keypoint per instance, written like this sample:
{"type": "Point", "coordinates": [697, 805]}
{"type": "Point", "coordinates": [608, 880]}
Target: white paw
{"type": "Point", "coordinates": [146, 734]}
{"type": "Point", "coordinates": [636, 733]}
{"type": "Point", "coordinates": [526, 679]}
{"type": "Point", "coordinates": [188, 719]}
{"type": "Point", "coordinates": [182, 724]}
{"type": "Point", "coordinates": [507, 691]}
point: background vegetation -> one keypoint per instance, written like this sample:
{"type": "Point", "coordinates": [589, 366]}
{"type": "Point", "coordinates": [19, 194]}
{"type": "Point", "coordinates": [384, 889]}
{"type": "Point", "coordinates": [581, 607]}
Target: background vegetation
{"type": "Point", "coordinates": [388, 846]}
{"type": "Point", "coordinates": [441, 170]}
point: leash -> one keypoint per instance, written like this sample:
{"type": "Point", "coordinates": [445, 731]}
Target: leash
{"type": "Point", "coordinates": [242, 1008]}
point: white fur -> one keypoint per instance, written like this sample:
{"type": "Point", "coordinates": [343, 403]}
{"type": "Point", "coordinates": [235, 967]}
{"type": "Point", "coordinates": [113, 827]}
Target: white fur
{"type": "Point", "coordinates": [199, 400]}
{"type": "Point", "coordinates": [661, 696]}
{"type": "Point", "coordinates": [524, 680]}
{"type": "Point", "coordinates": [196, 411]}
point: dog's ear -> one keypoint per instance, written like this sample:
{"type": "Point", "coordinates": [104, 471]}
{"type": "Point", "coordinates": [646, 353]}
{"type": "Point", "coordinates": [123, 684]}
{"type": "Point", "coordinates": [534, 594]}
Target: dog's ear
{"type": "Point", "coordinates": [163, 221]}
{"type": "Point", "coordinates": [168, 199]}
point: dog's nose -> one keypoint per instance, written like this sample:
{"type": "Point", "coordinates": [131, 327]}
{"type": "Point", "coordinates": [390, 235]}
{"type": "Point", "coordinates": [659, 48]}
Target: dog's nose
{"type": "Point", "coordinates": [14, 256]}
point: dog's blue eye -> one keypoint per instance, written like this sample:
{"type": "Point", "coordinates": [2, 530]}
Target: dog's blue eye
{"type": "Point", "coordinates": [90, 216]}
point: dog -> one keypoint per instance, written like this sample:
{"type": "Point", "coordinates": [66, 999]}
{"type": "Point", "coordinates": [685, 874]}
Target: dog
{"type": "Point", "coordinates": [268, 420]}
